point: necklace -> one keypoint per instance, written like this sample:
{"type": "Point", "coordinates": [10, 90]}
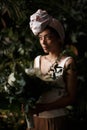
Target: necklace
{"type": "Point", "coordinates": [50, 60]}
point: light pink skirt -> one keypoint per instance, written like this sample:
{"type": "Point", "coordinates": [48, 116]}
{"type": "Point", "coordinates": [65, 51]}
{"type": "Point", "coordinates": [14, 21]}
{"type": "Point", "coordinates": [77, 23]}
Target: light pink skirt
{"type": "Point", "coordinates": [57, 123]}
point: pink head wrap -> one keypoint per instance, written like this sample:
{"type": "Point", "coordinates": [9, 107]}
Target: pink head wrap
{"type": "Point", "coordinates": [40, 19]}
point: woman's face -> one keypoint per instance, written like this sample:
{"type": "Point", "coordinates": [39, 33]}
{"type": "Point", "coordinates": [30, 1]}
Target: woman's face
{"type": "Point", "coordinates": [48, 41]}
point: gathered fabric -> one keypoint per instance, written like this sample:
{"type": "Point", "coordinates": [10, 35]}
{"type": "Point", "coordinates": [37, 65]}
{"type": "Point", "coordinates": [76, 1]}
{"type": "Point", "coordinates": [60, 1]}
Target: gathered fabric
{"type": "Point", "coordinates": [57, 123]}
{"type": "Point", "coordinates": [40, 19]}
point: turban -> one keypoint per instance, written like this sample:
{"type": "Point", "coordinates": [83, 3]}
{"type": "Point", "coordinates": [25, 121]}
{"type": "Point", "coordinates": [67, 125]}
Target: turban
{"type": "Point", "coordinates": [40, 19]}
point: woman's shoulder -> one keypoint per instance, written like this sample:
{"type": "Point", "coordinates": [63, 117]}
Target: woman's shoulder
{"type": "Point", "coordinates": [37, 57]}
{"type": "Point", "coordinates": [69, 61]}
{"type": "Point", "coordinates": [66, 60]}
{"type": "Point", "coordinates": [37, 61]}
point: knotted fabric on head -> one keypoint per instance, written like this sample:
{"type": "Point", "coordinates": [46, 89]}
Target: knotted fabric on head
{"type": "Point", "coordinates": [40, 19]}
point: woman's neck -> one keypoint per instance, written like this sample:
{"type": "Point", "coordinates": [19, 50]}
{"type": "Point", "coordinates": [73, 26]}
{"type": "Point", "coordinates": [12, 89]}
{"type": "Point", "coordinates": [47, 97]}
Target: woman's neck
{"type": "Point", "coordinates": [52, 57]}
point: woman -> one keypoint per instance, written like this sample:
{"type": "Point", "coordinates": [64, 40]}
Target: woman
{"type": "Point", "coordinates": [51, 108]}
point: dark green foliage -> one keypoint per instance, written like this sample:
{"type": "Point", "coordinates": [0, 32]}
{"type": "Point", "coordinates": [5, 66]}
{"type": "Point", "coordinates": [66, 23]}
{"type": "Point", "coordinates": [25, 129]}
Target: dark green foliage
{"type": "Point", "coordinates": [18, 44]}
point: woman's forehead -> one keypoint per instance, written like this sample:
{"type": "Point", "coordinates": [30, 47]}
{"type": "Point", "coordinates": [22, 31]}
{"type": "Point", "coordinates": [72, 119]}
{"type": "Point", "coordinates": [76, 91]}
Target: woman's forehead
{"type": "Point", "coordinates": [46, 31]}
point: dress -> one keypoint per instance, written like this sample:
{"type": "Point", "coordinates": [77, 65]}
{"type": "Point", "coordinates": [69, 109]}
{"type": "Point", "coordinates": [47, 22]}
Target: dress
{"type": "Point", "coordinates": [53, 119]}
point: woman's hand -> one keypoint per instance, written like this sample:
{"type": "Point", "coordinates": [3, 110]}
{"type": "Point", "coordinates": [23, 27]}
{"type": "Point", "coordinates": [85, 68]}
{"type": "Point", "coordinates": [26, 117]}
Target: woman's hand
{"type": "Point", "coordinates": [40, 107]}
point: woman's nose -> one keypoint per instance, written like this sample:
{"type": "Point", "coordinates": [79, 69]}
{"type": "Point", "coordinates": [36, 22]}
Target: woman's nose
{"type": "Point", "coordinates": [43, 40]}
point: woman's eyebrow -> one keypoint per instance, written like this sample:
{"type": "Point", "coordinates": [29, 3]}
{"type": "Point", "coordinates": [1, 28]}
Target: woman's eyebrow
{"type": "Point", "coordinates": [45, 34]}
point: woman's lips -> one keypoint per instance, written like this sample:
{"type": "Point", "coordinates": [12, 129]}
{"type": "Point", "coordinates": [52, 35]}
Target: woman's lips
{"type": "Point", "coordinates": [45, 48]}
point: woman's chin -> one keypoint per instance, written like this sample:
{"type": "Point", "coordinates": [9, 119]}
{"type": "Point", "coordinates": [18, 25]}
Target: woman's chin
{"type": "Point", "coordinates": [45, 50]}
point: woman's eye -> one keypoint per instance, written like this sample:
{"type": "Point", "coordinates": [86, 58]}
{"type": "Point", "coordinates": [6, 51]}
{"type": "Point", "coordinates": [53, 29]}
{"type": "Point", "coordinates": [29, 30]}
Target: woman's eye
{"type": "Point", "coordinates": [48, 37]}
{"type": "Point", "coordinates": [40, 38]}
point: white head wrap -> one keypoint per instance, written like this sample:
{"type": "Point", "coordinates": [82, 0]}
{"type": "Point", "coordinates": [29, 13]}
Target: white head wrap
{"type": "Point", "coordinates": [40, 19]}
